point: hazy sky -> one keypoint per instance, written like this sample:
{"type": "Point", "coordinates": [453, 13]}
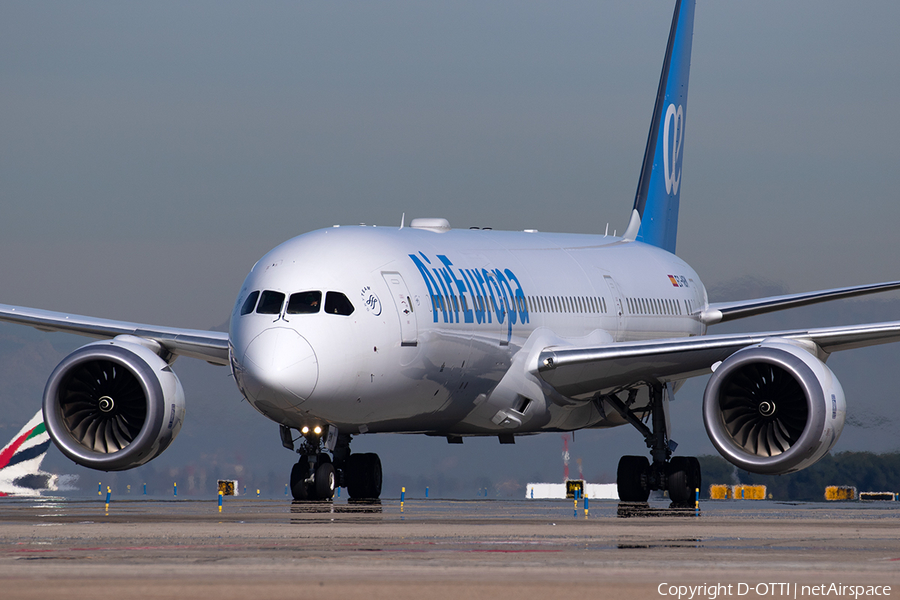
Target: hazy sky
{"type": "Point", "coordinates": [150, 153]}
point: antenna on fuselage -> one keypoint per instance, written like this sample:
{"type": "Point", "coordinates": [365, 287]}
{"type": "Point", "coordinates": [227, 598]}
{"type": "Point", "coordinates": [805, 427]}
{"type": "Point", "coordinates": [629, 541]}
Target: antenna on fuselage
{"type": "Point", "coordinates": [402, 220]}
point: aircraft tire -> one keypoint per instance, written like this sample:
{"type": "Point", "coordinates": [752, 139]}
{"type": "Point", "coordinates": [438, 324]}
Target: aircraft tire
{"type": "Point", "coordinates": [325, 481]}
{"type": "Point", "coordinates": [299, 474]}
{"type": "Point", "coordinates": [364, 476]}
{"type": "Point", "coordinates": [682, 478]}
{"type": "Point", "coordinates": [631, 478]}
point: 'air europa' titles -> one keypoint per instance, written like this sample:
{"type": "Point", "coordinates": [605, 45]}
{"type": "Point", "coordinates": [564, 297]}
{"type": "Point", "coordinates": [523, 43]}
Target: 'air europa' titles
{"type": "Point", "coordinates": [478, 296]}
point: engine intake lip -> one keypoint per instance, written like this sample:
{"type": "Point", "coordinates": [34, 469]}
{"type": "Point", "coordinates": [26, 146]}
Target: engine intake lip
{"type": "Point", "coordinates": [153, 400]}
{"type": "Point", "coordinates": [721, 433]}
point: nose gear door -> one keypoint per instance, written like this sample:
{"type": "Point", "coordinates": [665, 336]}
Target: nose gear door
{"type": "Point", "coordinates": [409, 332]}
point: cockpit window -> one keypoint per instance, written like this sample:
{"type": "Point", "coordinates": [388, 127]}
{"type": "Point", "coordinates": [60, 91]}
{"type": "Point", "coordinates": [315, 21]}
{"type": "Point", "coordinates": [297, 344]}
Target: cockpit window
{"type": "Point", "coordinates": [337, 304]}
{"type": "Point", "coordinates": [250, 303]}
{"type": "Point", "coordinates": [270, 303]}
{"type": "Point", "coordinates": [303, 303]}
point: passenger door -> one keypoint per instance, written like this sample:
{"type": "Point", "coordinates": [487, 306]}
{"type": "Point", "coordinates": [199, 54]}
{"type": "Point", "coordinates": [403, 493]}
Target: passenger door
{"type": "Point", "coordinates": [409, 332]}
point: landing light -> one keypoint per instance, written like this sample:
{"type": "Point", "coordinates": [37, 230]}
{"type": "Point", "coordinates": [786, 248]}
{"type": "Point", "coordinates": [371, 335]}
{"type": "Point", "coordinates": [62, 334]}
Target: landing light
{"type": "Point", "coordinates": [305, 430]}
{"type": "Point", "coordinates": [317, 430]}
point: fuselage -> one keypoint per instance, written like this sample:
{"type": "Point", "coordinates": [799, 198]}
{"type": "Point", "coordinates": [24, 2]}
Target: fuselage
{"type": "Point", "coordinates": [411, 330]}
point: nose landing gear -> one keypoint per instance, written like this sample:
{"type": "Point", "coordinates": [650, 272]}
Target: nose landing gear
{"type": "Point", "coordinates": [316, 474]}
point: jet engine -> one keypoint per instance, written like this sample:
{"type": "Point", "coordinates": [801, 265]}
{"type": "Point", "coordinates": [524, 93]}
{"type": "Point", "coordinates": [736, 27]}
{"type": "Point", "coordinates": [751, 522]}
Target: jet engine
{"type": "Point", "coordinates": [773, 408]}
{"type": "Point", "coordinates": [113, 405]}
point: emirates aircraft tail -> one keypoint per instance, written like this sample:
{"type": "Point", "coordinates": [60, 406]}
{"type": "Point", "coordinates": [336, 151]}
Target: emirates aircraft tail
{"type": "Point", "coordinates": [20, 462]}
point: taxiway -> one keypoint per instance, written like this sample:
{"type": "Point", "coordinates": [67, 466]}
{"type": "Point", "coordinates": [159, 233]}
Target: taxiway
{"type": "Point", "coordinates": [434, 548]}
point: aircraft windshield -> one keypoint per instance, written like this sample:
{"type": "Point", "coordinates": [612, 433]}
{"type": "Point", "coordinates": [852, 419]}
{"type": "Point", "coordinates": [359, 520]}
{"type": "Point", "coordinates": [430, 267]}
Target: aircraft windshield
{"type": "Point", "coordinates": [304, 303]}
{"type": "Point", "coordinates": [250, 303]}
{"type": "Point", "coordinates": [337, 303]}
{"type": "Point", "coordinates": [270, 303]}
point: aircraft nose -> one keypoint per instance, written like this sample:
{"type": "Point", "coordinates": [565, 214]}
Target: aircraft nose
{"type": "Point", "coordinates": [280, 360]}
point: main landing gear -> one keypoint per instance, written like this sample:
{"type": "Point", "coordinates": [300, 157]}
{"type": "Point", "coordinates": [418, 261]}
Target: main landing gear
{"type": "Point", "coordinates": [316, 474]}
{"type": "Point", "coordinates": [636, 476]}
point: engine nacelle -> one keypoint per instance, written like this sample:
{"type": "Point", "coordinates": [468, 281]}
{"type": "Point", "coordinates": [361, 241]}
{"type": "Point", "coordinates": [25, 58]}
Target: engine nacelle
{"type": "Point", "coordinates": [113, 405]}
{"type": "Point", "coordinates": [773, 408]}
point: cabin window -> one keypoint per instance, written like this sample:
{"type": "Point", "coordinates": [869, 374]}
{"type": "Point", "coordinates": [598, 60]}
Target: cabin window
{"type": "Point", "coordinates": [304, 303]}
{"type": "Point", "coordinates": [250, 303]}
{"type": "Point", "coordinates": [270, 303]}
{"type": "Point", "coordinates": [337, 303]}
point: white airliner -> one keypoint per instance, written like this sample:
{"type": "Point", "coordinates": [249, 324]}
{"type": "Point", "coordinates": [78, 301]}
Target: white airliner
{"type": "Point", "coordinates": [424, 328]}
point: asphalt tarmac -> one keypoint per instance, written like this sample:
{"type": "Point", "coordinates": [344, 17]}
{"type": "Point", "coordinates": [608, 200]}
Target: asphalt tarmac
{"type": "Point", "coordinates": [435, 549]}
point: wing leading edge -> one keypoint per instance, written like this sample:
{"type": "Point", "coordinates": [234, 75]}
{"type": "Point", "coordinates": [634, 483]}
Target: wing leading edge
{"type": "Point", "coordinates": [575, 372]}
{"type": "Point", "coordinates": [719, 312]}
{"type": "Point", "coordinates": [211, 346]}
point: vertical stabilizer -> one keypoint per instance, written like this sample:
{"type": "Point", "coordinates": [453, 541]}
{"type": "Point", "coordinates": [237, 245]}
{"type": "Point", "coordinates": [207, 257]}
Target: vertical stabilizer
{"type": "Point", "coordinates": [655, 214]}
{"type": "Point", "coordinates": [20, 461]}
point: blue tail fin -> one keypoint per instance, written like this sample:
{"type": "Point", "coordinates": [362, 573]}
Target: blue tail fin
{"type": "Point", "coordinates": [654, 219]}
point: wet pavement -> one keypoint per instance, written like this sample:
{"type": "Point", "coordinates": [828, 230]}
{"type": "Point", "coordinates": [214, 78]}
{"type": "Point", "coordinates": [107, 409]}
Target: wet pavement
{"type": "Point", "coordinates": [440, 548]}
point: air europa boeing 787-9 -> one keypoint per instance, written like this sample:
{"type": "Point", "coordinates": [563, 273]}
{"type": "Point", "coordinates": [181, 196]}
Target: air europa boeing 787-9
{"type": "Point", "coordinates": [426, 329]}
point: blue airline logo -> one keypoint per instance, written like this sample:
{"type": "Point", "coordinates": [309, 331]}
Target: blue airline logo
{"type": "Point", "coordinates": [672, 143]}
{"type": "Point", "coordinates": [479, 296]}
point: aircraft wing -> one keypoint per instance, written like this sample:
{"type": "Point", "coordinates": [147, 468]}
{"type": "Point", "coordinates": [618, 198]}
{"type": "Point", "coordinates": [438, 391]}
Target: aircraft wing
{"type": "Point", "coordinates": [211, 346]}
{"type": "Point", "coordinates": [577, 371]}
{"type": "Point", "coordinates": [719, 312]}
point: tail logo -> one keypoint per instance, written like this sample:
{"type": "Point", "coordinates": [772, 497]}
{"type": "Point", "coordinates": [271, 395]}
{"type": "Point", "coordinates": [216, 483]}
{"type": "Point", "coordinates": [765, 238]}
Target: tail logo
{"type": "Point", "coordinates": [675, 119]}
